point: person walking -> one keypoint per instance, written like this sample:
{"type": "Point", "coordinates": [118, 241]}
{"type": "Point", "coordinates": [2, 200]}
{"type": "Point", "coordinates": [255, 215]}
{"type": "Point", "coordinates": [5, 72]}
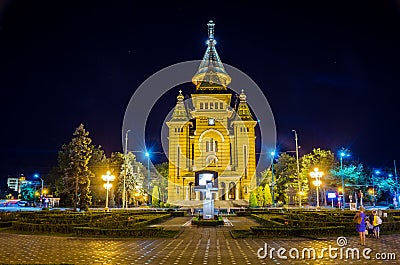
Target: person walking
{"type": "Point", "coordinates": [359, 219]}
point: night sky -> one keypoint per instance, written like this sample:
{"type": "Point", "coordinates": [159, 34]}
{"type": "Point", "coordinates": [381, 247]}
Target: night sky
{"type": "Point", "coordinates": [329, 69]}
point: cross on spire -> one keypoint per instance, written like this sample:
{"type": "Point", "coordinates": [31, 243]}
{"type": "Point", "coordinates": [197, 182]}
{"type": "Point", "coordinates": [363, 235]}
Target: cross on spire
{"type": "Point", "coordinates": [210, 25]}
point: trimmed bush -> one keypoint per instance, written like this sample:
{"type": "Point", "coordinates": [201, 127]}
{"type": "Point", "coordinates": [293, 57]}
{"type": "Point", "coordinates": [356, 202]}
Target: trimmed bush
{"type": "Point", "coordinates": [95, 231]}
{"type": "Point", "coordinates": [201, 222]}
{"type": "Point", "coordinates": [293, 232]}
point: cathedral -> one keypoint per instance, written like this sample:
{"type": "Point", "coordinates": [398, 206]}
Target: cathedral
{"type": "Point", "coordinates": [211, 141]}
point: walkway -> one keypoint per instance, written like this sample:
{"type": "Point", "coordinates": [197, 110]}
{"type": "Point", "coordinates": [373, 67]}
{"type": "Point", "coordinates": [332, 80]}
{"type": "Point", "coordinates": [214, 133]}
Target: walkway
{"type": "Point", "coordinates": [193, 246]}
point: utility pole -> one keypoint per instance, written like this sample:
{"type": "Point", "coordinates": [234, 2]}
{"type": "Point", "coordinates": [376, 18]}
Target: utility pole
{"type": "Point", "coordinates": [273, 180]}
{"type": "Point", "coordinates": [124, 204]}
{"type": "Point", "coordinates": [298, 166]}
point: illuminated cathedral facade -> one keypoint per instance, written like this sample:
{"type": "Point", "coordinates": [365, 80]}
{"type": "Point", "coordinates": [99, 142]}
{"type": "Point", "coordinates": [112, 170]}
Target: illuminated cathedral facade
{"type": "Point", "coordinates": [211, 140]}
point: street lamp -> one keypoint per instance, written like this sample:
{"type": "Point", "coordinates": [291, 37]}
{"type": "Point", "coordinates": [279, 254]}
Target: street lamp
{"type": "Point", "coordinates": [298, 166]}
{"type": "Point", "coordinates": [148, 177]}
{"type": "Point", "coordinates": [107, 177]}
{"type": "Point", "coordinates": [124, 204]}
{"type": "Point", "coordinates": [377, 172]}
{"type": "Point", "coordinates": [343, 154]}
{"type": "Point", "coordinates": [273, 180]}
{"type": "Point", "coordinates": [41, 190]}
{"type": "Point", "coordinates": [317, 182]}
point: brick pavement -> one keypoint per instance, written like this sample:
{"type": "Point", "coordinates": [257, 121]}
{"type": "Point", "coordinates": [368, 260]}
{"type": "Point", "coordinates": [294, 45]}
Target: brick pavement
{"type": "Point", "coordinates": [193, 246]}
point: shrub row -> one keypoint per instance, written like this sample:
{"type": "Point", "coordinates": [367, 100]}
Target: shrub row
{"type": "Point", "coordinates": [95, 231]}
{"type": "Point", "coordinates": [297, 231]}
{"type": "Point", "coordinates": [44, 228]}
{"type": "Point", "coordinates": [202, 222]}
{"type": "Point", "coordinates": [265, 220]}
{"type": "Point", "coordinates": [6, 224]}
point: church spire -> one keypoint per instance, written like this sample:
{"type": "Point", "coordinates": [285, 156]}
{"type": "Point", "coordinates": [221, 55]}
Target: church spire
{"type": "Point", "coordinates": [243, 110]}
{"type": "Point", "coordinates": [211, 74]}
{"type": "Point", "coordinates": [180, 112]}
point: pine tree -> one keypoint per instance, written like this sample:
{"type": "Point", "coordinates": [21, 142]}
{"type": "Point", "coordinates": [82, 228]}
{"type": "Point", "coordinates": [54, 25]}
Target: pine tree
{"type": "Point", "coordinates": [267, 196]}
{"type": "Point", "coordinates": [155, 197]}
{"type": "Point", "coordinates": [259, 192]}
{"type": "Point", "coordinates": [134, 178]}
{"type": "Point", "coordinates": [253, 200]}
{"type": "Point", "coordinates": [74, 159]}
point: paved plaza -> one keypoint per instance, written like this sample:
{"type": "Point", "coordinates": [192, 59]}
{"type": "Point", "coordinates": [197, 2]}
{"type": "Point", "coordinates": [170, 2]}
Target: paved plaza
{"type": "Point", "coordinates": [192, 246]}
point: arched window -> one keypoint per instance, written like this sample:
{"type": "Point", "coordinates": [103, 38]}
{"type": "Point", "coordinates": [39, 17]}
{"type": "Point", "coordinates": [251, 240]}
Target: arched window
{"type": "Point", "coordinates": [201, 105]}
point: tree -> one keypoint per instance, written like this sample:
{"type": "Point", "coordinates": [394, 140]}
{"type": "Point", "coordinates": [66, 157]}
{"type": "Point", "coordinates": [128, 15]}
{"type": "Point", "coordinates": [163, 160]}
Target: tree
{"type": "Point", "coordinates": [267, 196]}
{"type": "Point", "coordinates": [74, 160]}
{"type": "Point", "coordinates": [162, 180]}
{"type": "Point", "coordinates": [27, 192]}
{"type": "Point", "coordinates": [133, 171]}
{"type": "Point", "coordinates": [325, 161]}
{"type": "Point", "coordinates": [253, 199]}
{"type": "Point", "coordinates": [98, 165]}
{"type": "Point", "coordinates": [259, 192]}
{"type": "Point", "coordinates": [285, 175]}
{"type": "Point", "coordinates": [155, 197]}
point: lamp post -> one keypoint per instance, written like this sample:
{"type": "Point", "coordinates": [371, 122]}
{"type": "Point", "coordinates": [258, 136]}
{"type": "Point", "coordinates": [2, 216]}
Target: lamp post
{"type": "Point", "coordinates": [343, 154]}
{"type": "Point", "coordinates": [41, 190]}
{"type": "Point", "coordinates": [377, 172]}
{"type": "Point", "coordinates": [107, 177]}
{"type": "Point", "coordinates": [317, 182]}
{"type": "Point", "coordinates": [272, 179]}
{"type": "Point", "coordinates": [298, 166]}
{"type": "Point", "coordinates": [148, 177]}
{"type": "Point", "coordinates": [124, 204]}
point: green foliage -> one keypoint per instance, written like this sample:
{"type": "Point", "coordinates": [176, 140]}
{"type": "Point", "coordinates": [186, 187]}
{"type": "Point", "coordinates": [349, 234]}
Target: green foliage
{"type": "Point", "coordinates": [267, 196]}
{"type": "Point", "coordinates": [253, 199]}
{"type": "Point", "coordinates": [324, 160]}
{"type": "Point", "coordinates": [155, 197]}
{"type": "Point", "coordinates": [74, 164]}
{"type": "Point", "coordinates": [162, 180]}
{"type": "Point", "coordinates": [259, 192]}
{"type": "Point", "coordinates": [134, 174]}
{"type": "Point", "coordinates": [27, 192]}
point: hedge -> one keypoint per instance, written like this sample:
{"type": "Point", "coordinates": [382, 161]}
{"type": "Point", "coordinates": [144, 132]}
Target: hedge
{"type": "Point", "coordinates": [95, 231]}
{"type": "Point", "coordinates": [297, 231]}
{"type": "Point", "coordinates": [45, 227]}
{"type": "Point", "coordinates": [6, 224]}
{"type": "Point", "coordinates": [207, 222]}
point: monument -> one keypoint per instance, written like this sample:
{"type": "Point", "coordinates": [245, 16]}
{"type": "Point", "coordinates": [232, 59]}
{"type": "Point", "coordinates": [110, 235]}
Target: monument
{"type": "Point", "coordinates": [208, 202]}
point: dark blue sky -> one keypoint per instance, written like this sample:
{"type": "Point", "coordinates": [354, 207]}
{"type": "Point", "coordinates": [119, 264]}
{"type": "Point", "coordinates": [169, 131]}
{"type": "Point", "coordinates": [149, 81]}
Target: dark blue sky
{"type": "Point", "coordinates": [329, 69]}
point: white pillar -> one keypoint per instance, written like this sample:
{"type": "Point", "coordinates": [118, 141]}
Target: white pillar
{"type": "Point", "coordinates": [186, 193]}
{"type": "Point", "coordinates": [197, 195]}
